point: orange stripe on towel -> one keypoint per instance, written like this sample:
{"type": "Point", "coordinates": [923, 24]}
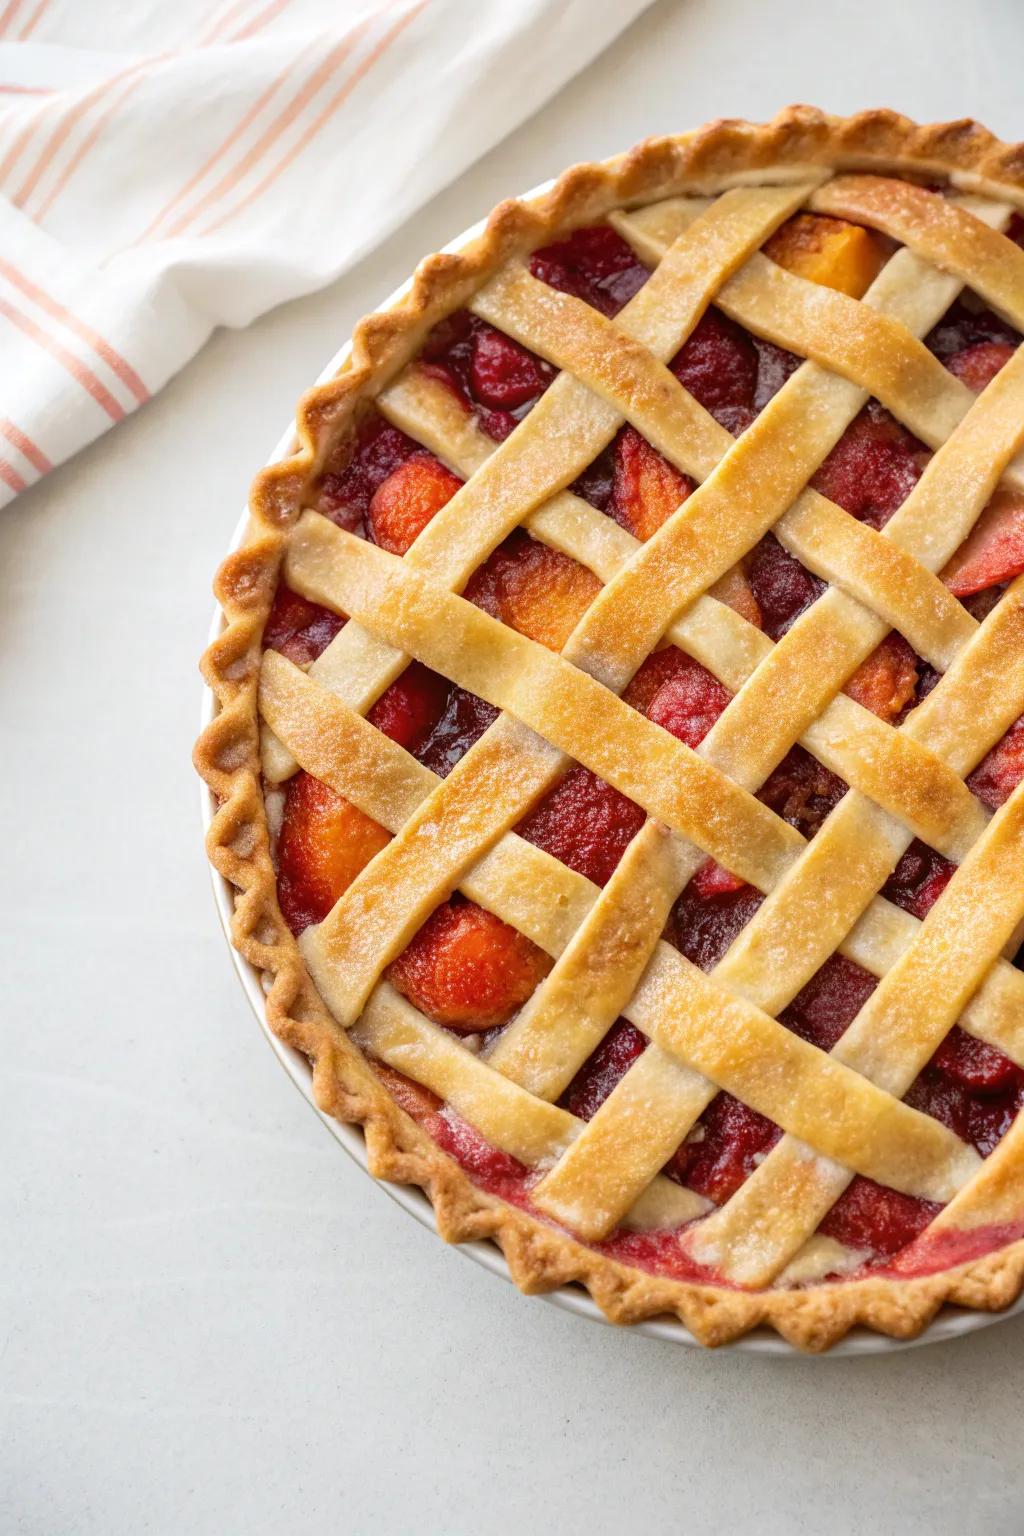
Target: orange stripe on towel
{"type": "Point", "coordinates": [74, 365]}
{"type": "Point", "coordinates": [328, 112]}
{"type": "Point", "coordinates": [114, 361]}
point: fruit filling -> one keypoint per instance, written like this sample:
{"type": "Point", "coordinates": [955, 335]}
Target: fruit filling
{"type": "Point", "coordinates": [299, 629]}
{"type": "Point", "coordinates": [490, 375]}
{"type": "Point", "coordinates": [469, 971]}
{"type": "Point", "coordinates": [347, 487]}
{"type": "Point", "coordinates": [325, 842]}
{"type": "Point", "coordinates": [596, 265]}
{"type": "Point", "coordinates": [534, 589]}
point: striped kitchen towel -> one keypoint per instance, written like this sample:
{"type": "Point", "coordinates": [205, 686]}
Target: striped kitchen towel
{"type": "Point", "coordinates": [169, 167]}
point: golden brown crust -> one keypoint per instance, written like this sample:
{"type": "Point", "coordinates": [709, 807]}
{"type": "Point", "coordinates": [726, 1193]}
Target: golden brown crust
{"type": "Point", "coordinates": [540, 1258]}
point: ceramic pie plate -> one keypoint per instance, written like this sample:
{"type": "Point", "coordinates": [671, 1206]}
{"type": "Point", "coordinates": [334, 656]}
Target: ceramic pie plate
{"type": "Point", "coordinates": [949, 1323]}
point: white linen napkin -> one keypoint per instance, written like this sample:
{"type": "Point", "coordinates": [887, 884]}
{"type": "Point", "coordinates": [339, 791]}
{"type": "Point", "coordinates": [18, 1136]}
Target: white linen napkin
{"type": "Point", "coordinates": [169, 167]}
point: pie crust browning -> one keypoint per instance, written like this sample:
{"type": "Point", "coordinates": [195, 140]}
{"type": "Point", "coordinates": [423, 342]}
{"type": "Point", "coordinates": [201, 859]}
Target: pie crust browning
{"type": "Point", "coordinates": [872, 581]}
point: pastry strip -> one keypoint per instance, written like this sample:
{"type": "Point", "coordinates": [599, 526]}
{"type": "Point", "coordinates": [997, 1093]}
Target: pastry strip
{"type": "Point", "coordinates": [944, 233]}
{"type": "Point", "coordinates": [565, 431]}
{"type": "Point", "coordinates": [892, 1038]}
{"type": "Point", "coordinates": [534, 891]}
{"type": "Point", "coordinates": [509, 1118]}
{"type": "Point", "coordinates": [868, 754]}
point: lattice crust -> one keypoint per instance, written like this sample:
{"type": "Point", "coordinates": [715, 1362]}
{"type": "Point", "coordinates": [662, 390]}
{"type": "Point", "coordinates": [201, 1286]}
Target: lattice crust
{"type": "Point", "coordinates": [696, 209]}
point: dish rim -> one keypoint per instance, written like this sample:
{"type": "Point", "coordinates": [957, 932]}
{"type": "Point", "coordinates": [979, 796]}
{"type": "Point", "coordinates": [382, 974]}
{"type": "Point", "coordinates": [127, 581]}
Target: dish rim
{"type": "Point", "coordinates": [950, 1322]}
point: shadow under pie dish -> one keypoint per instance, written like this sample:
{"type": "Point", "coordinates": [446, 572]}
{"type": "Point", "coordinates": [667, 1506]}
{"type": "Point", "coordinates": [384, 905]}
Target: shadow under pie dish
{"type": "Point", "coordinates": [639, 861]}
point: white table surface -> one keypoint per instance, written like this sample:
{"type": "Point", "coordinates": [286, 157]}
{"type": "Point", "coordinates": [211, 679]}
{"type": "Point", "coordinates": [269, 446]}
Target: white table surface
{"type": "Point", "coordinates": [211, 1320]}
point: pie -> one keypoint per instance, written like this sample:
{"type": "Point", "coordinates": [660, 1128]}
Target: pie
{"type": "Point", "coordinates": [620, 742]}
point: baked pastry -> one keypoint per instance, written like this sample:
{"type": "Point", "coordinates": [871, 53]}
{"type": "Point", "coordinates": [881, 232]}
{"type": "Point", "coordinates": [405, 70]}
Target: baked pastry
{"type": "Point", "coordinates": [620, 739]}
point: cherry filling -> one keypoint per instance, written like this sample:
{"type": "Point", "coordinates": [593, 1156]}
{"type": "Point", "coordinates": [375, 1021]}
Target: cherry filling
{"type": "Point", "coordinates": [495, 1170]}
{"type": "Point", "coordinates": [344, 494]}
{"type": "Point", "coordinates": [919, 879]}
{"type": "Point", "coordinates": [873, 468]}
{"type": "Point", "coordinates": [299, 629]}
{"type": "Point", "coordinates": [781, 585]}
{"type": "Point", "coordinates": [595, 265]}
{"type": "Point", "coordinates": [489, 374]}
{"type": "Point", "coordinates": [470, 971]}
{"type": "Point", "coordinates": [999, 773]}
{"type": "Point", "coordinates": [585, 823]}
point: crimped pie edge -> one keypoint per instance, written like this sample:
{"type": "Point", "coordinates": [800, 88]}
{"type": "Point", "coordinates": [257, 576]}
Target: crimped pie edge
{"type": "Point", "coordinates": [540, 1258]}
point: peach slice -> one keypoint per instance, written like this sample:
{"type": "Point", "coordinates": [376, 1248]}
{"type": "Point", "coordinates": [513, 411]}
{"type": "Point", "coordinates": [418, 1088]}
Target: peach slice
{"type": "Point", "coordinates": [647, 489]}
{"type": "Point", "coordinates": [885, 681]}
{"type": "Point", "coordinates": [467, 969]}
{"type": "Point", "coordinates": [831, 252]}
{"type": "Point", "coordinates": [536, 590]}
{"type": "Point", "coordinates": [325, 842]}
{"type": "Point", "coordinates": [405, 502]}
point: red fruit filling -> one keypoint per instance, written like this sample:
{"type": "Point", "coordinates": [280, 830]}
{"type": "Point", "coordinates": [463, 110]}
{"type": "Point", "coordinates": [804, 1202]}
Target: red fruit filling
{"type": "Point", "coordinates": [404, 503]}
{"type": "Point", "coordinates": [718, 365]}
{"type": "Point", "coordinates": [703, 928]}
{"type": "Point", "coordinates": [730, 373]}
{"type": "Point", "coordinates": [619, 1049]}
{"type": "Point", "coordinates": [467, 969]}
{"type": "Point", "coordinates": [593, 264]}
{"type": "Point", "coordinates": [461, 723]}
{"type": "Point", "coordinates": [299, 629]}
{"type": "Point", "coordinates": [868, 1215]}
{"type": "Point", "coordinates": [774, 366]}
{"type": "Point", "coordinates": [962, 329]}
{"type": "Point", "coordinates": [688, 703]}
{"type": "Point", "coordinates": [489, 373]}
{"type": "Point", "coordinates": [412, 707]}
{"type": "Point", "coordinates": [802, 791]}
{"type": "Point", "coordinates": [660, 667]}
{"type": "Point", "coordinates": [993, 551]}
{"type": "Point", "coordinates": [978, 365]}
{"type": "Point", "coordinates": [873, 467]}
{"type": "Point", "coordinates": [951, 1246]}
{"type": "Point", "coordinates": [827, 1004]}
{"type": "Point", "coordinates": [685, 699]}
{"type": "Point", "coordinates": [724, 1149]}
{"type": "Point", "coordinates": [981, 1119]}
{"type": "Point", "coordinates": [998, 774]}
{"type": "Point", "coordinates": [919, 879]}
{"type": "Point", "coordinates": [344, 495]}
{"type": "Point", "coordinates": [976, 1064]}
{"type": "Point", "coordinates": [585, 823]}
{"type": "Point", "coordinates": [497, 1171]}
{"type": "Point", "coordinates": [782, 587]}
{"type": "Point", "coordinates": [713, 879]}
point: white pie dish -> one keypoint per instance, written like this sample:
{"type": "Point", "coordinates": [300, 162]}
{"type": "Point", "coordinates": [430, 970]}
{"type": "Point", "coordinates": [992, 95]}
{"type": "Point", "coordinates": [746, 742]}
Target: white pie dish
{"type": "Point", "coordinates": [950, 1323]}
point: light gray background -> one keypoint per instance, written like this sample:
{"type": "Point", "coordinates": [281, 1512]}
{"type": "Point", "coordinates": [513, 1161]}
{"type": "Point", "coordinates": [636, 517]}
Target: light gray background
{"type": "Point", "coordinates": [212, 1321]}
